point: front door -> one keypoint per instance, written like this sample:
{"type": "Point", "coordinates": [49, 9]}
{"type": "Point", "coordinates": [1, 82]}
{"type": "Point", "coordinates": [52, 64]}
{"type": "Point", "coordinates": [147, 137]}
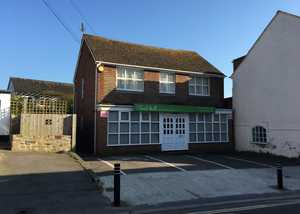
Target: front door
{"type": "Point", "coordinates": [173, 132]}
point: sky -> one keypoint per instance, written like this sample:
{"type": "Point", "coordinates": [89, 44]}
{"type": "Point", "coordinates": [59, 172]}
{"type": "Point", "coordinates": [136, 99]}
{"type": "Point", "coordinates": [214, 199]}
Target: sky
{"type": "Point", "coordinates": [35, 45]}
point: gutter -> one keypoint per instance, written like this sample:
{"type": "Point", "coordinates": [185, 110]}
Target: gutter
{"type": "Point", "coordinates": [160, 69]}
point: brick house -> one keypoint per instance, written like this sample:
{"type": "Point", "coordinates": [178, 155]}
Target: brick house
{"type": "Point", "coordinates": [137, 98]}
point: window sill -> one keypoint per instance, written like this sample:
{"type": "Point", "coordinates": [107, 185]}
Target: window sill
{"type": "Point", "coordinates": [166, 94]}
{"type": "Point", "coordinates": [194, 95]}
{"type": "Point", "coordinates": [259, 143]}
{"type": "Point", "coordinates": [128, 91]}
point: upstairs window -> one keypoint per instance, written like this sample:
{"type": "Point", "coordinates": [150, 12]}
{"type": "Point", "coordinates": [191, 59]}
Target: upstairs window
{"type": "Point", "coordinates": [167, 83]}
{"type": "Point", "coordinates": [130, 79]}
{"type": "Point", "coordinates": [199, 86]}
{"type": "Point", "coordinates": [259, 134]}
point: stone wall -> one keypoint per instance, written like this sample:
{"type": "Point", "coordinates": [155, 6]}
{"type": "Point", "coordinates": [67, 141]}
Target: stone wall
{"type": "Point", "coordinates": [41, 144]}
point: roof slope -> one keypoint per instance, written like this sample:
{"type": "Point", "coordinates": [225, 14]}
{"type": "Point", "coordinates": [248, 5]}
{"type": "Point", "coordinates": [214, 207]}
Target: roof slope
{"type": "Point", "coordinates": [141, 55]}
{"type": "Point", "coordinates": [41, 87]}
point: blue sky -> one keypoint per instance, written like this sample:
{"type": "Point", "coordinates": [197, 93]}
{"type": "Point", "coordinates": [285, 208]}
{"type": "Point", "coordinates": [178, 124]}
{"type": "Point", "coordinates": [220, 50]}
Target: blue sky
{"type": "Point", "coordinates": [34, 45]}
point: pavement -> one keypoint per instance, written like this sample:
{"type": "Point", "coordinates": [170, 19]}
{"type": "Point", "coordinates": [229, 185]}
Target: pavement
{"type": "Point", "coordinates": [47, 183]}
{"type": "Point", "coordinates": [165, 178]}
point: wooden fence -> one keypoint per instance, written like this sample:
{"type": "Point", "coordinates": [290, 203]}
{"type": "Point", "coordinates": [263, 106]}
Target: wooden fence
{"type": "Point", "coordinates": [40, 125]}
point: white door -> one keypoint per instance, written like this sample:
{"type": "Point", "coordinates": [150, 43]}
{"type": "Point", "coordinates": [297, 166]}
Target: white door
{"type": "Point", "coordinates": [173, 132]}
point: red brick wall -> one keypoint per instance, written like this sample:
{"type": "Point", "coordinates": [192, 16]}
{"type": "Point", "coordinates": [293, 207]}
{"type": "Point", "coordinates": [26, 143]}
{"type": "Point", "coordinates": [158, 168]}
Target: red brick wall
{"type": "Point", "coordinates": [109, 95]}
{"type": "Point", "coordinates": [84, 108]}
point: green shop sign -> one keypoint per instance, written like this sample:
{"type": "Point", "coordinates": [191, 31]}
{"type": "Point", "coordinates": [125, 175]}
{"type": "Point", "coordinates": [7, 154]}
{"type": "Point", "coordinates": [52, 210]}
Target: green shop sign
{"type": "Point", "coordinates": [173, 108]}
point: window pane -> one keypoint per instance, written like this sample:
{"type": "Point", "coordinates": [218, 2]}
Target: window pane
{"type": "Point", "coordinates": [135, 139]}
{"type": "Point", "coordinates": [145, 127]}
{"type": "Point", "coordinates": [216, 137]}
{"type": "Point", "coordinates": [163, 77]}
{"type": "Point", "coordinates": [130, 85]}
{"type": "Point", "coordinates": [191, 89]}
{"type": "Point", "coordinates": [223, 127]}
{"type": "Point", "coordinates": [216, 117]}
{"type": "Point", "coordinates": [199, 90]}
{"type": "Point", "coordinates": [124, 139]}
{"type": "Point", "coordinates": [113, 127]}
{"type": "Point", "coordinates": [205, 81]}
{"type": "Point", "coordinates": [121, 72]}
{"type": "Point", "coordinates": [145, 139]}
{"type": "Point", "coordinates": [135, 116]}
{"type": "Point", "coordinates": [124, 115]}
{"type": "Point", "coordinates": [200, 117]}
{"type": "Point", "coordinates": [193, 138]}
{"type": "Point", "coordinates": [200, 127]}
{"type": "Point", "coordinates": [112, 139]}
{"type": "Point", "coordinates": [154, 127]}
{"type": "Point", "coordinates": [135, 127]}
{"type": "Point", "coordinates": [208, 117]}
{"type": "Point", "coordinates": [205, 90]}
{"type": "Point", "coordinates": [163, 87]}
{"type": "Point", "coordinates": [113, 116]}
{"type": "Point", "coordinates": [145, 116]}
{"type": "Point", "coordinates": [223, 137]}
{"type": "Point", "coordinates": [171, 77]}
{"type": "Point", "coordinates": [121, 84]}
{"type": "Point", "coordinates": [139, 75]}
{"type": "Point", "coordinates": [171, 88]}
{"type": "Point", "coordinates": [192, 117]}
{"type": "Point", "coordinates": [223, 118]}
{"type": "Point", "coordinates": [201, 137]}
{"type": "Point", "coordinates": [199, 81]}
{"type": "Point", "coordinates": [208, 127]}
{"type": "Point", "coordinates": [193, 81]}
{"type": "Point", "coordinates": [139, 85]}
{"type": "Point", "coordinates": [154, 138]}
{"type": "Point", "coordinates": [208, 137]}
{"type": "Point", "coordinates": [124, 127]}
{"type": "Point", "coordinates": [154, 116]}
{"type": "Point", "coordinates": [216, 127]}
{"type": "Point", "coordinates": [192, 127]}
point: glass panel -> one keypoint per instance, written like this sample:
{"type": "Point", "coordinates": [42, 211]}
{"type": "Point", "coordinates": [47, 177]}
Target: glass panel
{"type": "Point", "coordinates": [121, 84]}
{"type": "Point", "coordinates": [145, 116]}
{"type": "Point", "coordinates": [139, 85]}
{"type": "Point", "coordinates": [113, 127]}
{"type": "Point", "coordinates": [223, 137]}
{"type": "Point", "coordinates": [172, 88]}
{"type": "Point", "coordinates": [208, 137]}
{"type": "Point", "coordinates": [154, 127]}
{"type": "Point", "coordinates": [154, 138]}
{"type": "Point", "coordinates": [124, 115]}
{"type": "Point", "coordinates": [154, 116]}
{"type": "Point", "coordinates": [112, 139]}
{"type": "Point", "coordinates": [121, 72]}
{"type": "Point", "coordinates": [192, 127]}
{"type": "Point", "coordinates": [193, 81]}
{"type": "Point", "coordinates": [216, 137]}
{"type": "Point", "coordinates": [200, 127]}
{"type": "Point", "coordinates": [199, 90]}
{"type": "Point", "coordinates": [124, 127]}
{"type": "Point", "coordinates": [205, 90]}
{"type": "Point", "coordinates": [145, 127]}
{"type": "Point", "coordinates": [192, 117]}
{"type": "Point", "coordinates": [205, 81]}
{"type": "Point", "coordinates": [216, 127]}
{"type": "Point", "coordinates": [201, 137]}
{"type": "Point", "coordinates": [200, 117]}
{"type": "Point", "coordinates": [135, 139]}
{"type": "Point", "coordinates": [130, 85]}
{"type": "Point", "coordinates": [216, 117]}
{"type": "Point", "coordinates": [124, 139]}
{"type": "Point", "coordinates": [135, 127]}
{"type": "Point", "coordinates": [208, 117]}
{"type": "Point", "coordinates": [113, 116]}
{"type": "Point", "coordinates": [191, 89]}
{"type": "Point", "coordinates": [145, 139]}
{"type": "Point", "coordinates": [208, 127]}
{"type": "Point", "coordinates": [163, 77]}
{"type": "Point", "coordinates": [199, 81]}
{"type": "Point", "coordinates": [223, 118]}
{"type": "Point", "coordinates": [163, 87]}
{"type": "Point", "coordinates": [135, 116]}
{"type": "Point", "coordinates": [193, 138]}
{"type": "Point", "coordinates": [223, 127]}
{"type": "Point", "coordinates": [171, 78]}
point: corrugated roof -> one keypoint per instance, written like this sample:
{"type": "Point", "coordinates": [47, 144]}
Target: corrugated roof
{"type": "Point", "coordinates": [141, 55]}
{"type": "Point", "coordinates": [49, 88]}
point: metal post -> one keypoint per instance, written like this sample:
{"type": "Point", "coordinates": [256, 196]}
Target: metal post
{"type": "Point", "coordinates": [279, 177]}
{"type": "Point", "coordinates": [117, 188]}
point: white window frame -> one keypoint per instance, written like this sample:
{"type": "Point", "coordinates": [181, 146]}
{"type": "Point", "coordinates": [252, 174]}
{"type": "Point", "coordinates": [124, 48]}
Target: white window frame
{"type": "Point", "coordinates": [140, 121]}
{"type": "Point", "coordinates": [255, 135]}
{"type": "Point", "coordinates": [212, 122]}
{"type": "Point", "coordinates": [126, 78]}
{"type": "Point", "coordinates": [202, 85]}
{"type": "Point", "coordinates": [168, 82]}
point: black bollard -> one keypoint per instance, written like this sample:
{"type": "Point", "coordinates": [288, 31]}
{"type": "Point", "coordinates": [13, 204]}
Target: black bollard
{"type": "Point", "coordinates": [117, 188]}
{"type": "Point", "coordinates": [279, 177]}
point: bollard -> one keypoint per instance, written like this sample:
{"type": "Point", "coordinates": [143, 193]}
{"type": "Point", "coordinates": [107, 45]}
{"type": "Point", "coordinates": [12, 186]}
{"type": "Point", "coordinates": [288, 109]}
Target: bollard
{"type": "Point", "coordinates": [279, 177]}
{"type": "Point", "coordinates": [117, 188]}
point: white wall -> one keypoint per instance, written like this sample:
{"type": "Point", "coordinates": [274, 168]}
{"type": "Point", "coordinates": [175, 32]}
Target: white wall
{"type": "Point", "coordinates": [4, 113]}
{"type": "Point", "coordinates": [266, 90]}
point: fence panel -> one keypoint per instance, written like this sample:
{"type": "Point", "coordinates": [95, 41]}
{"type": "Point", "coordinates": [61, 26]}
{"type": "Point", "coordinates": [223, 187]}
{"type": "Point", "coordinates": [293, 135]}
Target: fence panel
{"type": "Point", "coordinates": [46, 124]}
